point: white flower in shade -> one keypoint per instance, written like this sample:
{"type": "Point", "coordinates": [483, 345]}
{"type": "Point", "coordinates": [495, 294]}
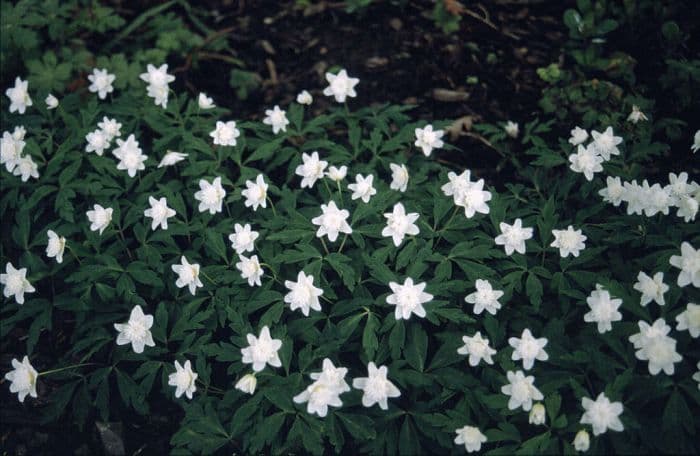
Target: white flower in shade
{"type": "Point", "coordinates": [332, 221]}
{"type": "Point", "coordinates": [255, 193]}
{"type": "Point", "coordinates": [689, 264]}
{"type": "Point", "coordinates": [337, 174]}
{"type": "Point", "coordinates": [99, 217]}
{"type": "Point", "coordinates": [16, 283]}
{"type": "Point", "coordinates": [399, 224]}
{"type": "Point", "coordinates": [528, 349]}
{"type": "Point", "coordinates": [10, 150]}
{"type": "Point", "coordinates": [277, 118]}
{"type": "Point", "coordinates": [636, 115]}
{"type": "Point", "coordinates": [311, 169]}
{"type": "Point", "coordinates": [51, 102]}
{"type": "Point", "coordinates": [634, 197]}
{"type": "Point", "coordinates": [171, 157]}
{"type": "Point", "coordinates": [471, 437]}
{"type": "Point", "coordinates": [247, 383]}
{"type": "Point", "coordinates": [188, 275]}
{"type": "Point", "coordinates": [332, 376]}
{"type": "Point", "coordinates": [19, 96]}
{"type": "Point", "coordinates": [183, 379]}
{"type": "Point", "coordinates": [110, 127]}
{"type": "Point", "coordinates": [243, 239]}
{"type": "Point", "coordinates": [18, 133]}
{"type": "Point", "coordinates": [656, 199]}
{"type": "Point", "coordinates": [329, 384]}
{"type": "Point", "coordinates": [484, 298]}
{"type": "Point", "coordinates": [614, 192]}
{"type": "Point", "coordinates": [602, 414]}
{"type": "Point", "coordinates": [569, 241]}
{"type": "Point", "coordinates": [696, 142]}
{"type": "Point", "coordinates": [477, 348]}
{"type": "Point", "coordinates": [689, 320]}
{"type": "Point", "coordinates": [578, 136]}
{"type": "Point", "coordinates": [649, 332]}
{"type": "Point", "coordinates": [586, 160]}
{"type": "Point", "coordinates": [137, 331]}
{"type": "Point", "coordinates": [522, 391]}
{"type": "Point", "coordinates": [457, 184]}
{"type": "Point", "coordinates": [606, 143]}
{"type": "Point", "coordinates": [473, 198]}
{"type": "Point", "coordinates": [56, 246]}
{"type": "Point", "coordinates": [225, 133]}
{"type": "Point", "coordinates": [512, 129]}
{"type": "Point", "coordinates": [513, 237]}
{"type": "Point", "coordinates": [678, 186]}
{"type": "Point", "coordinates": [303, 294]}
{"type": "Point", "coordinates": [340, 86]}
{"type": "Point", "coordinates": [159, 212]}
{"type": "Point", "coordinates": [250, 269]}
{"type": "Point", "coordinates": [582, 441]}
{"type": "Point", "coordinates": [26, 168]}
{"type": "Point", "coordinates": [130, 157]}
{"type": "Point", "coordinates": [362, 188]}
{"type": "Point", "coordinates": [688, 208]}
{"type": "Point", "coordinates": [428, 139]}
{"type": "Point", "coordinates": [603, 309]}
{"type": "Point", "coordinates": [158, 80]}
{"type": "Point", "coordinates": [304, 98]}
{"type": "Point", "coordinates": [652, 289]}
{"type": "Point", "coordinates": [97, 141]}
{"type": "Point", "coordinates": [205, 102]}
{"type": "Point", "coordinates": [399, 177]}
{"type": "Point", "coordinates": [537, 414]}
{"type": "Point", "coordinates": [654, 345]}
{"type": "Point", "coordinates": [408, 298]}
{"type": "Point", "coordinates": [210, 196]}
{"type": "Point", "coordinates": [101, 82]}
{"type": "Point", "coordinates": [22, 378]}
{"type": "Point", "coordinates": [376, 387]}
{"type": "Point", "coordinates": [261, 351]}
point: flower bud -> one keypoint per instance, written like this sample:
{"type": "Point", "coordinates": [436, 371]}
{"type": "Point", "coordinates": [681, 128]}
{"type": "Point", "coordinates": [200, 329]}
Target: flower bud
{"type": "Point", "coordinates": [537, 414]}
{"type": "Point", "coordinates": [247, 383]}
{"type": "Point", "coordinates": [582, 441]}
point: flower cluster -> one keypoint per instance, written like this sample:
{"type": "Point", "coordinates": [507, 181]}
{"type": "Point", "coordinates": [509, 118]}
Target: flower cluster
{"type": "Point", "coordinates": [11, 155]}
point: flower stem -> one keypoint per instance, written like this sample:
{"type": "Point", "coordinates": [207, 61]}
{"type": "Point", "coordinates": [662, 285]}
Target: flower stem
{"type": "Point", "coordinates": [340, 193]}
{"type": "Point", "coordinates": [74, 366]}
{"type": "Point", "coordinates": [343, 243]}
{"type": "Point", "coordinates": [207, 276]}
{"type": "Point", "coordinates": [272, 205]}
{"type": "Point", "coordinates": [325, 247]}
{"type": "Point", "coordinates": [74, 254]}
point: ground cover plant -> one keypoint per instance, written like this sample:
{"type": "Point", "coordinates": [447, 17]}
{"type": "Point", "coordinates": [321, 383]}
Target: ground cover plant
{"type": "Point", "coordinates": [333, 280]}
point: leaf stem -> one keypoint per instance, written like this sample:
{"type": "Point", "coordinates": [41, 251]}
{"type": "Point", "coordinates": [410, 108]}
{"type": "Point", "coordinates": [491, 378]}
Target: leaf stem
{"type": "Point", "coordinates": [74, 366]}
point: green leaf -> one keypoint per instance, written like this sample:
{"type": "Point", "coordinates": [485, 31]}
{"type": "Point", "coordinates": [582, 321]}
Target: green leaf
{"type": "Point", "coordinates": [417, 348]}
{"type": "Point", "coordinates": [369, 336]}
{"type": "Point", "coordinates": [360, 426]}
{"type": "Point", "coordinates": [533, 288]}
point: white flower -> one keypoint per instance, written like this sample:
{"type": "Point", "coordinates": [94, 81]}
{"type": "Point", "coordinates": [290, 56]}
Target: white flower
{"type": "Point", "coordinates": [457, 184]}
{"type": "Point", "coordinates": [250, 269]}
{"type": "Point", "coordinates": [636, 115]}
{"type": "Point", "coordinates": [337, 174]}
{"type": "Point", "coordinates": [98, 141]}
{"type": "Point", "coordinates": [51, 102]}
{"type": "Point", "coordinates": [654, 345]}
{"type": "Point", "coordinates": [171, 157]}
{"type": "Point", "coordinates": [19, 132]}
{"type": "Point", "coordinates": [603, 309]}
{"type": "Point", "coordinates": [528, 349]}
{"type": "Point", "coordinates": [303, 294]}
{"type": "Point", "coordinates": [225, 133]}
{"type": "Point", "coordinates": [304, 98]}
{"type": "Point", "coordinates": [158, 80]}
{"type": "Point", "coordinates": [586, 160]}
{"type": "Point", "coordinates": [137, 331]}
{"type": "Point", "coordinates": [101, 82]}
{"type": "Point", "coordinates": [634, 197]}
{"type": "Point", "coordinates": [582, 441]}
{"type": "Point", "coordinates": [694, 147]}
{"type": "Point", "coordinates": [484, 298]}
{"type": "Point", "coordinates": [19, 96]}
{"type": "Point", "coordinates": [614, 192]}
{"type": "Point", "coordinates": [512, 129]}
{"type": "Point", "coordinates": [647, 333]}
{"type": "Point", "coordinates": [569, 241]}
{"type": "Point", "coordinates": [22, 379]}
{"type": "Point", "coordinates": [473, 198]}
{"type": "Point", "coordinates": [205, 102]}
{"type": "Point", "coordinates": [689, 264]}
{"type": "Point", "coordinates": [10, 150]}
{"type": "Point", "coordinates": [578, 136]}
{"type": "Point", "coordinates": [332, 221]}
{"type": "Point", "coordinates": [537, 414]}
{"type": "Point", "coordinates": [188, 275]}
{"type": "Point", "coordinates": [311, 169]}
{"type": "Point", "coordinates": [678, 186]}
{"type": "Point", "coordinates": [399, 177]}
{"type": "Point", "coordinates": [408, 298]}
{"type": "Point", "coordinates": [689, 319]}
{"type": "Point", "coordinates": [255, 193]}
{"type": "Point", "coordinates": [325, 390]}
{"type": "Point", "coordinates": [183, 379]}
{"type": "Point", "coordinates": [651, 289]}
{"type": "Point", "coordinates": [243, 239]}
{"type": "Point", "coordinates": [247, 383]}
{"type": "Point", "coordinates": [399, 224]}
{"type": "Point", "coordinates": [687, 208]}
{"type": "Point", "coordinates": [656, 199]}
{"type": "Point", "coordinates": [477, 348]}
{"type": "Point", "coordinates": [340, 86]}
{"type": "Point", "coordinates": [471, 437]}
{"type": "Point", "coordinates": [55, 247]}
{"type": "Point", "coordinates": [129, 154]}
{"type": "Point", "coordinates": [427, 139]}
{"type": "Point", "coordinates": [99, 217]}
{"type": "Point", "coordinates": [277, 118]}
{"type": "Point", "coordinates": [376, 387]}
{"type": "Point", "coordinates": [522, 390]}
{"type": "Point", "coordinates": [513, 237]}
{"type": "Point", "coordinates": [606, 143]}
{"type": "Point", "coordinates": [110, 128]}
{"type": "Point", "coordinates": [362, 188]}
{"type": "Point", "coordinates": [602, 414]}
{"type": "Point", "coordinates": [26, 168]}
{"type": "Point", "coordinates": [262, 350]}
{"type": "Point", "coordinates": [210, 196]}
{"type": "Point", "coordinates": [16, 283]}
{"type": "Point", "coordinates": [159, 212]}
